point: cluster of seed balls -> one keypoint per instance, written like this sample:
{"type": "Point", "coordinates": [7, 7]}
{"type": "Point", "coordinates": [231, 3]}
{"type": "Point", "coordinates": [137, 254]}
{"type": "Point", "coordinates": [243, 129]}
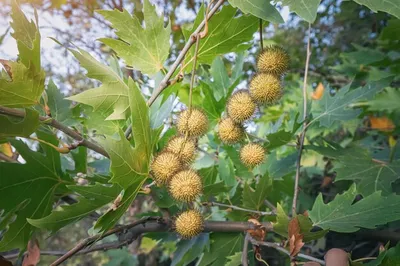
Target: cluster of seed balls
{"type": "Point", "coordinates": [171, 167]}
{"type": "Point", "coordinates": [265, 88]}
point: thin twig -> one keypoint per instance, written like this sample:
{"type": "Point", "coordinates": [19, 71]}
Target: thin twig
{"type": "Point", "coordinates": [261, 35]}
{"type": "Point", "coordinates": [5, 158]}
{"type": "Point", "coordinates": [155, 224]}
{"type": "Point", "coordinates": [196, 50]}
{"type": "Point", "coordinates": [245, 261]}
{"type": "Point", "coordinates": [165, 82]}
{"type": "Point", "coordinates": [270, 205]}
{"type": "Point", "coordinates": [88, 241]}
{"type": "Point", "coordinates": [211, 203]}
{"type": "Point", "coordinates": [215, 158]}
{"type": "Point", "coordinates": [58, 253]}
{"type": "Point", "coordinates": [54, 123]}
{"type": "Point", "coordinates": [303, 132]}
{"type": "Point", "coordinates": [278, 247]}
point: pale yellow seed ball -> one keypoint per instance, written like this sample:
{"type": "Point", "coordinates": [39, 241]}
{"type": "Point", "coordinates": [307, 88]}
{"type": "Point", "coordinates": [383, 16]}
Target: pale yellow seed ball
{"type": "Point", "coordinates": [189, 224]}
{"type": "Point", "coordinates": [230, 132]}
{"type": "Point", "coordinates": [273, 60]}
{"type": "Point", "coordinates": [265, 88]}
{"type": "Point", "coordinates": [164, 166]}
{"type": "Point", "coordinates": [193, 122]}
{"type": "Point", "coordinates": [186, 185]}
{"type": "Point", "coordinates": [252, 154]}
{"type": "Point", "coordinates": [241, 106]}
{"type": "Point", "coordinates": [184, 147]}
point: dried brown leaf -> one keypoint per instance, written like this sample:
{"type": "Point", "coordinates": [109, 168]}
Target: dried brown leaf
{"type": "Point", "coordinates": [295, 238]}
{"type": "Point", "coordinates": [258, 233]}
{"type": "Point", "coordinates": [32, 256]}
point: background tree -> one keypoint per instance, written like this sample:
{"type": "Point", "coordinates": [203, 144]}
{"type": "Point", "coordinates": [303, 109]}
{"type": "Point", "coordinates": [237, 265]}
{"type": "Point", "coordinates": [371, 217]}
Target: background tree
{"type": "Point", "coordinates": [80, 162]}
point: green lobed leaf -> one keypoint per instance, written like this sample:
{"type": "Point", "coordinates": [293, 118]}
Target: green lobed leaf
{"type": "Point", "coordinates": [226, 33]}
{"type": "Point", "coordinates": [259, 8]}
{"type": "Point", "coordinates": [35, 182]}
{"type": "Point", "coordinates": [282, 221]}
{"type": "Point", "coordinates": [221, 81]}
{"type": "Point", "coordinates": [110, 218]}
{"type": "Point", "coordinates": [215, 189]}
{"type": "Point", "coordinates": [337, 108]}
{"type": "Point", "coordinates": [357, 164]}
{"type": "Point", "coordinates": [112, 95]}
{"type": "Point", "coordinates": [59, 107]}
{"type": "Point", "coordinates": [188, 250]}
{"type": "Point", "coordinates": [341, 215]}
{"type": "Point", "coordinates": [27, 36]}
{"type": "Point", "coordinates": [222, 246]}
{"type": "Point", "coordinates": [235, 259]}
{"type": "Point", "coordinates": [144, 49]}
{"type": "Point", "coordinates": [387, 100]}
{"type": "Point", "coordinates": [390, 6]}
{"type": "Point", "coordinates": [306, 227]}
{"type": "Point", "coordinates": [278, 139]}
{"type": "Point", "coordinates": [92, 198]}
{"type": "Point", "coordinates": [24, 87]}
{"type": "Point", "coordinates": [255, 199]}
{"type": "Point", "coordinates": [97, 123]}
{"type": "Point", "coordinates": [307, 10]}
{"type": "Point", "coordinates": [279, 168]}
{"type": "Point", "coordinates": [21, 127]}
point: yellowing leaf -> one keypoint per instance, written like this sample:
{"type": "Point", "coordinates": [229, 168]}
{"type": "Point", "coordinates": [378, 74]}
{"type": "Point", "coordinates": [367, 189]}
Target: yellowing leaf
{"type": "Point", "coordinates": [6, 149]}
{"type": "Point", "coordinates": [319, 91]}
{"type": "Point", "coordinates": [381, 123]}
{"type": "Point", "coordinates": [144, 49]}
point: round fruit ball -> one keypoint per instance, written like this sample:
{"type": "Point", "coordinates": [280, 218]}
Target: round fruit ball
{"type": "Point", "coordinates": [164, 166]}
{"type": "Point", "coordinates": [189, 224]}
{"type": "Point", "coordinates": [192, 122]}
{"type": "Point", "coordinates": [184, 147]}
{"type": "Point", "coordinates": [185, 186]}
{"type": "Point", "coordinates": [241, 106]}
{"type": "Point", "coordinates": [230, 132]}
{"type": "Point", "coordinates": [274, 60]}
{"type": "Point", "coordinates": [252, 154]}
{"type": "Point", "coordinates": [265, 88]}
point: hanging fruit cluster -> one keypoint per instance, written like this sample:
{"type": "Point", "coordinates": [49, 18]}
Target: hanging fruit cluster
{"type": "Point", "coordinates": [171, 167]}
{"type": "Point", "coordinates": [265, 88]}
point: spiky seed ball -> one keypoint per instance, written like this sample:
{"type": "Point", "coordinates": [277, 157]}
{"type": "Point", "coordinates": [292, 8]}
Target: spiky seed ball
{"type": "Point", "coordinates": [274, 60]}
{"type": "Point", "coordinates": [252, 154]}
{"type": "Point", "coordinates": [241, 106]}
{"type": "Point", "coordinates": [230, 132]}
{"type": "Point", "coordinates": [164, 166]}
{"type": "Point", "coordinates": [189, 224]}
{"type": "Point", "coordinates": [265, 88]}
{"type": "Point", "coordinates": [184, 147]}
{"type": "Point", "coordinates": [186, 185]}
{"type": "Point", "coordinates": [194, 122]}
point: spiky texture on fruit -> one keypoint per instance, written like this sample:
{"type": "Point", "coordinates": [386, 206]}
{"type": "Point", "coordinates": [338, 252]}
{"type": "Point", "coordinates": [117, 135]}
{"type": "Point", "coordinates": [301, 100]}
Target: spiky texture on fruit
{"type": "Point", "coordinates": [164, 166]}
{"type": "Point", "coordinates": [193, 122]}
{"type": "Point", "coordinates": [186, 185]}
{"type": "Point", "coordinates": [241, 106]}
{"type": "Point", "coordinates": [230, 132]}
{"type": "Point", "coordinates": [189, 224]}
{"type": "Point", "coordinates": [184, 147]}
{"type": "Point", "coordinates": [252, 154]}
{"type": "Point", "coordinates": [273, 59]}
{"type": "Point", "coordinates": [265, 88]}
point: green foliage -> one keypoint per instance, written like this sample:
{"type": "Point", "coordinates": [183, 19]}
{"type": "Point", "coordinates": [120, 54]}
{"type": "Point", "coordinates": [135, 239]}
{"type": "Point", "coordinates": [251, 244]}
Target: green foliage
{"type": "Point", "coordinates": [338, 108]}
{"type": "Point", "coordinates": [60, 108]}
{"type": "Point", "coordinates": [111, 98]}
{"type": "Point", "coordinates": [34, 183]}
{"type": "Point", "coordinates": [307, 10]}
{"type": "Point", "coordinates": [282, 221]}
{"type": "Point", "coordinates": [222, 246]}
{"type": "Point", "coordinates": [91, 199]}
{"type": "Point", "coordinates": [341, 215]}
{"type": "Point", "coordinates": [255, 199]}
{"type": "Point", "coordinates": [258, 8]}
{"type": "Point", "coordinates": [387, 100]}
{"type": "Point", "coordinates": [144, 49]}
{"type": "Point", "coordinates": [389, 6]}
{"type": "Point", "coordinates": [22, 127]}
{"type": "Point", "coordinates": [228, 35]}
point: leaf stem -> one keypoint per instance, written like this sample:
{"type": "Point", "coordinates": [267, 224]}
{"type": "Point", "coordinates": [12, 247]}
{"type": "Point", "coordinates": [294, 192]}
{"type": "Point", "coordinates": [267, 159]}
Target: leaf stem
{"type": "Point", "coordinates": [303, 132]}
{"type": "Point", "coordinates": [54, 123]}
{"type": "Point", "coordinates": [278, 247]}
{"type": "Point", "coordinates": [212, 203]}
{"type": "Point", "coordinates": [261, 35]}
